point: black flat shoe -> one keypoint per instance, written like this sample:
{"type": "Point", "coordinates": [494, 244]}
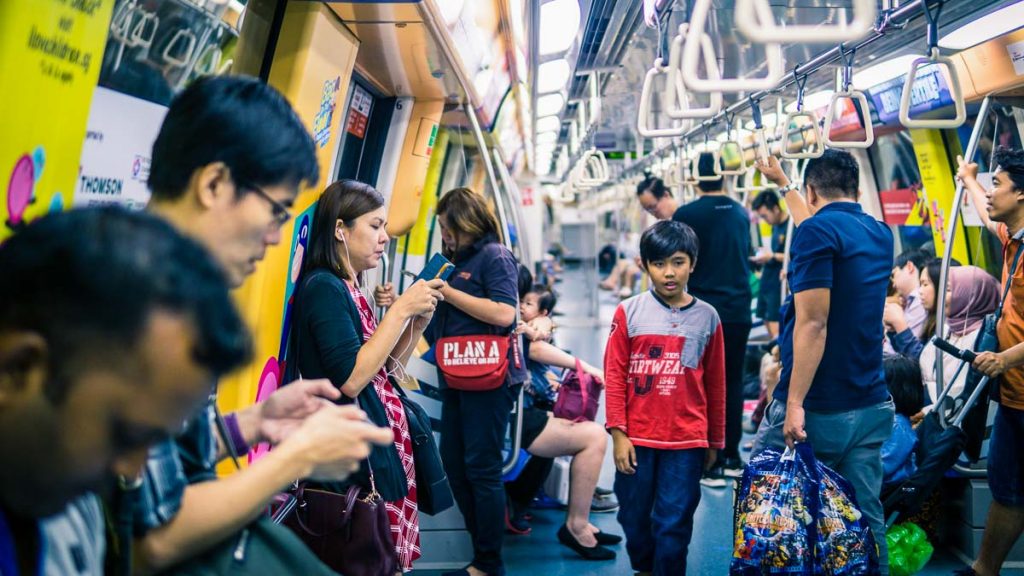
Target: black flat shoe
{"type": "Point", "coordinates": [606, 539]}
{"type": "Point", "coordinates": [595, 553]}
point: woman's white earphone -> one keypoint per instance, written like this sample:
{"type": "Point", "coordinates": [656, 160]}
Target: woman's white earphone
{"type": "Point", "coordinates": [339, 233]}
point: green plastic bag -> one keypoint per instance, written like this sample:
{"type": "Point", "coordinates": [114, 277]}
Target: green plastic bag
{"type": "Point", "coordinates": [909, 549]}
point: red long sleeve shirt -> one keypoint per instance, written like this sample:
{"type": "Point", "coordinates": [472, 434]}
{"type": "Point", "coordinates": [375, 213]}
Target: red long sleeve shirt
{"type": "Point", "coordinates": [665, 374]}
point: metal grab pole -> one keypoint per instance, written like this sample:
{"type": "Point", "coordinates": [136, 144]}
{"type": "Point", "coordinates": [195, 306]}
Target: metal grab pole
{"type": "Point", "coordinates": [947, 253]}
{"type": "Point", "coordinates": [478, 135]}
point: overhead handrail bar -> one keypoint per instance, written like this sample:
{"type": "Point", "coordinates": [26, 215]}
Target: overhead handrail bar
{"type": "Point", "coordinates": [791, 119]}
{"type": "Point", "coordinates": [848, 93]}
{"type": "Point", "coordinates": [644, 109]}
{"type": "Point", "coordinates": [937, 59]}
{"type": "Point", "coordinates": [755, 20]}
{"type": "Point", "coordinates": [895, 20]}
{"type": "Point", "coordinates": [676, 84]}
{"type": "Point", "coordinates": [595, 98]}
{"type": "Point", "coordinates": [691, 58]}
{"type": "Point", "coordinates": [947, 252]}
{"type": "Point", "coordinates": [734, 145]}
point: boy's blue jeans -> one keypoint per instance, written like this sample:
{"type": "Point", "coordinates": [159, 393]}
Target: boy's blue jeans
{"type": "Point", "coordinates": [656, 508]}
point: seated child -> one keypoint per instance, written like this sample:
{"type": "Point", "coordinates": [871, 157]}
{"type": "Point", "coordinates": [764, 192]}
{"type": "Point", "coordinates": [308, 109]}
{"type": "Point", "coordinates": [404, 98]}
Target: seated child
{"type": "Point", "coordinates": [535, 324]}
{"type": "Point", "coordinates": [903, 376]}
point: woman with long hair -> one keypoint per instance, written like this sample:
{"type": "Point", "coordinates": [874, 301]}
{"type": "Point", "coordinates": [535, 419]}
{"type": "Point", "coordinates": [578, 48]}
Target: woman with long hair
{"type": "Point", "coordinates": [335, 335]}
{"type": "Point", "coordinates": [479, 305]}
{"type": "Point", "coordinates": [897, 328]}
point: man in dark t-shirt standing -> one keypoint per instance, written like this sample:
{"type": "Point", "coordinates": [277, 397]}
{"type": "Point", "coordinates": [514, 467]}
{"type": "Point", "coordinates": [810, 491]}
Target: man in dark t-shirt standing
{"type": "Point", "coordinates": [722, 278]}
{"type": "Point", "coordinates": [832, 390]}
{"type": "Point", "coordinates": [771, 257]}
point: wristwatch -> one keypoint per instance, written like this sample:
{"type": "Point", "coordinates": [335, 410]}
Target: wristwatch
{"type": "Point", "coordinates": [791, 187]}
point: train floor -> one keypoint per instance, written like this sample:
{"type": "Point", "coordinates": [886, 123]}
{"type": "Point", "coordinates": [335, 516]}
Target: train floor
{"type": "Point", "coordinates": [539, 553]}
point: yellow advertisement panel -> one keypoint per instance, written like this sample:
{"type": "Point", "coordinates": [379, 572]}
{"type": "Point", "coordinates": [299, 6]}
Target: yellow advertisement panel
{"type": "Point", "coordinates": [312, 67]}
{"type": "Point", "coordinates": [939, 188]}
{"type": "Point", "coordinates": [50, 54]}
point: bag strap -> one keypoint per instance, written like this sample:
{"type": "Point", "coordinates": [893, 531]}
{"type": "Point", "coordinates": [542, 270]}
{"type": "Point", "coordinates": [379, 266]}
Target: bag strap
{"type": "Point", "coordinates": [1019, 237]}
{"type": "Point", "coordinates": [584, 389]}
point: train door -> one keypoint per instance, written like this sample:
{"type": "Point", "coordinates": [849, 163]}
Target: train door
{"type": "Point", "coordinates": [367, 119]}
{"type": "Point", "coordinates": [898, 179]}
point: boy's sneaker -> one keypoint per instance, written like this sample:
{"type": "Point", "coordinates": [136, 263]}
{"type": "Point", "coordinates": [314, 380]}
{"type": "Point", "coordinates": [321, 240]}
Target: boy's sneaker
{"type": "Point", "coordinates": [602, 492]}
{"type": "Point", "coordinates": [604, 505]}
{"type": "Point", "coordinates": [714, 478]}
{"type": "Point", "coordinates": [732, 467]}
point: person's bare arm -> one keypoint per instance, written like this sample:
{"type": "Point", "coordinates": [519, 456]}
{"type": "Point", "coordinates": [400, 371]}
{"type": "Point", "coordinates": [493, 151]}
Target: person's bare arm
{"type": "Point", "coordinates": [967, 173]}
{"type": "Point", "coordinates": [796, 204]}
{"type": "Point", "coordinates": [809, 333]}
{"type": "Point", "coordinates": [551, 355]}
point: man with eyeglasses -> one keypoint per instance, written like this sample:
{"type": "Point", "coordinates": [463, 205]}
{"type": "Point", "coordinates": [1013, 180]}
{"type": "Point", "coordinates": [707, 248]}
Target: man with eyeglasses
{"type": "Point", "coordinates": [656, 200]}
{"type": "Point", "coordinates": [227, 165]}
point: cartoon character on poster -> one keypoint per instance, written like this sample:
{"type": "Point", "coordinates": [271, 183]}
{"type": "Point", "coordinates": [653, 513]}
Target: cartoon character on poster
{"type": "Point", "coordinates": [274, 369]}
{"type": "Point", "coordinates": [21, 187]}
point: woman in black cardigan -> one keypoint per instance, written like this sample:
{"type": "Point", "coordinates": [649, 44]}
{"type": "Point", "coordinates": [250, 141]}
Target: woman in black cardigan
{"type": "Point", "coordinates": [336, 335]}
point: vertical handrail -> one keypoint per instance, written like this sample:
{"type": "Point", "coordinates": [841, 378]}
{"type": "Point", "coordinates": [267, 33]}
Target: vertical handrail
{"type": "Point", "coordinates": [492, 178]}
{"type": "Point", "coordinates": [947, 251]}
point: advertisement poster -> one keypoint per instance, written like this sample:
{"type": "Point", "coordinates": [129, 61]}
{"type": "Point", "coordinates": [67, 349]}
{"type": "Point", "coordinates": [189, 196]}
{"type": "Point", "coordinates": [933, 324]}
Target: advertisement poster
{"type": "Point", "coordinates": [53, 49]}
{"type": "Point", "coordinates": [116, 155]}
{"type": "Point", "coordinates": [930, 92]}
{"type": "Point", "coordinates": [899, 204]}
{"type": "Point", "coordinates": [937, 179]}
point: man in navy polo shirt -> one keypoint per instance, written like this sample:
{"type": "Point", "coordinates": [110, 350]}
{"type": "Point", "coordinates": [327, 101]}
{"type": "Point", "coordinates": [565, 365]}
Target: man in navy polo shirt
{"type": "Point", "coordinates": [832, 391]}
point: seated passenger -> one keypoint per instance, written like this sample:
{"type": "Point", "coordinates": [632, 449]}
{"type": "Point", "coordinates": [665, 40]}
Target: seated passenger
{"type": "Point", "coordinates": [972, 295]}
{"type": "Point", "coordinates": [536, 308]}
{"type": "Point", "coordinates": [545, 436]}
{"type": "Point", "coordinates": [901, 336]}
{"type": "Point", "coordinates": [112, 327]}
{"type": "Point", "coordinates": [231, 189]}
{"type": "Point", "coordinates": [903, 378]}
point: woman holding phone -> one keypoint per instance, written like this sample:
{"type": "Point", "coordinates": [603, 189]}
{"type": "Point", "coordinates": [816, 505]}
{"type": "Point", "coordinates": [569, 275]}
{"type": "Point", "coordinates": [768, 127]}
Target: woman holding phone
{"type": "Point", "coordinates": [480, 367]}
{"type": "Point", "coordinates": [336, 335]}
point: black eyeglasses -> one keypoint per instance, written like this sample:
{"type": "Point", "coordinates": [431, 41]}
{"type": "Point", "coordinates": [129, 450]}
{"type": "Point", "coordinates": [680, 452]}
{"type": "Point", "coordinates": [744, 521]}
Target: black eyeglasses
{"type": "Point", "coordinates": [280, 212]}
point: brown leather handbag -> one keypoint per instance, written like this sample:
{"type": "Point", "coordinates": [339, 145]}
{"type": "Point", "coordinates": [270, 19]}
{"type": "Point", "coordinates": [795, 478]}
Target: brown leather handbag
{"type": "Point", "coordinates": [349, 532]}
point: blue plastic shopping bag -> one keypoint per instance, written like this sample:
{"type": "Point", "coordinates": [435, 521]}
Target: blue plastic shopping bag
{"type": "Point", "coordinates": [774, 514]}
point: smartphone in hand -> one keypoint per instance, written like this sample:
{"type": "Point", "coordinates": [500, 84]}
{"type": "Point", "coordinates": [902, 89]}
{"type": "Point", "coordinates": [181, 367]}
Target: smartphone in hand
{"type": "Point", "coordinates": [437, 267]}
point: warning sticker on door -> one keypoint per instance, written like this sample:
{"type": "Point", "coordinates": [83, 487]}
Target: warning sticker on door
{"type": "Point", "coordinates": [358, 112]}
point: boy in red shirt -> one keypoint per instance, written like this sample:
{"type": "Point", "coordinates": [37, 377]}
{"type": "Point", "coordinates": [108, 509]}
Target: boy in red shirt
{"type": "Point", "coordinates": [665, 386]}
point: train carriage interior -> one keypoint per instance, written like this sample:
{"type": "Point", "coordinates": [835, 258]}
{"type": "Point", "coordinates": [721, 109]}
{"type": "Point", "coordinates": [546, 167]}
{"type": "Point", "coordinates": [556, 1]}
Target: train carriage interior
{"type": "Point", "coordinates": [559, 114]}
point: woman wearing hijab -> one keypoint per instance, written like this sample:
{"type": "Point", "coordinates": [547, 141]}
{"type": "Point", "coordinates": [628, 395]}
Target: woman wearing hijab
{"type": "Point", "coordinates": [972, 295]}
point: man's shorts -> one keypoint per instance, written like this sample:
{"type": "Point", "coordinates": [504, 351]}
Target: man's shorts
{"type": "Point", "coordinates": [1006, 457]}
